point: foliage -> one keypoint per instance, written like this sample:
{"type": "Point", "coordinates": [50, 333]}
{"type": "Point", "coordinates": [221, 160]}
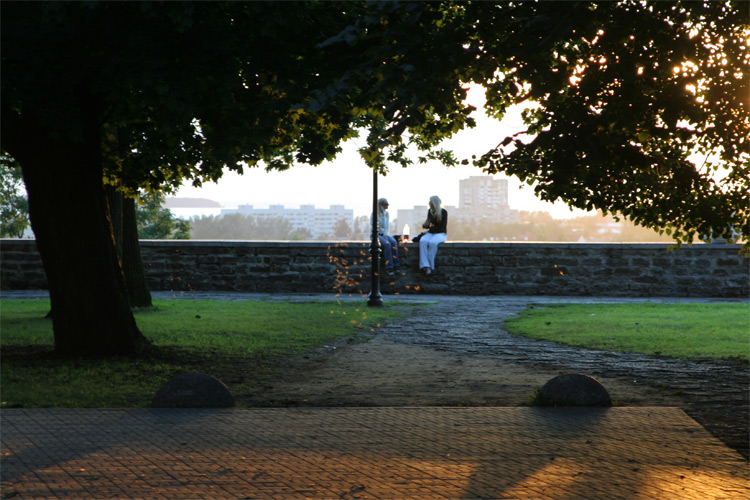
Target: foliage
{"type": "Point", "coordinates": [14, 208]}
{"type": "Point", "coordinates": [342, 229]}
{"type": "Point", "coordinates": [156, 222]}
{"type": "Point", "coordinates": [230, 340]}
{"type": "Point", "coordinates": [684, 330]}
{"type": "Point", "coordinates": [619, 97]}
{"type": "Point", "coordinates": [145, 95]}
{"type": "Point", "coordinates": [361, 229]}
{"type": "Point", "coordinates": [245, 227]}
{"type": "Point", "coordinates": [182, 90]}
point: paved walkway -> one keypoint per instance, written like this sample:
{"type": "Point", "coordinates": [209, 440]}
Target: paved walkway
{"type": "Point", "coordinates": [347, 453]}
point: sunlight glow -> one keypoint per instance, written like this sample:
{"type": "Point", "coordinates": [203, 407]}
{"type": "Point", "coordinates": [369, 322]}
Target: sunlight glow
{"type": "Point", "coordinates": [566, 474]}
{"type": "Point", "coordinates": [658, 482]}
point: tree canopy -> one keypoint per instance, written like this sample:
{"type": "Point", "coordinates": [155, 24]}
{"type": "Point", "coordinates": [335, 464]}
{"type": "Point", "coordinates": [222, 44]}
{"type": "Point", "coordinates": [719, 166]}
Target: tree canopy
{"type": "Point", "coordinates": [144, 95]}
{"type": "Point", "coordinates": [632, 107]}
{"type": "Point", "coordinates": [180, 90]}
{"type": "Point", "coordinates": [620, 96]}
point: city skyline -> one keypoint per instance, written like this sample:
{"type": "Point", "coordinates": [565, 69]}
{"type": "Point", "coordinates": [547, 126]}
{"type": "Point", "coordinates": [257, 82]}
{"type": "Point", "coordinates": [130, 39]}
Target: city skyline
{"type": "Point", "coordinates": [347, 180]}
{"type": "Point", "coordinates": [483, 207]}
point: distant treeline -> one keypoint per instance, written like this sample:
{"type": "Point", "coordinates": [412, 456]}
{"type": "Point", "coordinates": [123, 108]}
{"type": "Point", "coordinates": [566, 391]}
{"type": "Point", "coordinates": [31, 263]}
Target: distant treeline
{"type": "Point", "coordinates": [245, 227]}
{"type": "Point", "coordinates": [540, 226]}
{"type": "Point", "coordinates": [532, 226]}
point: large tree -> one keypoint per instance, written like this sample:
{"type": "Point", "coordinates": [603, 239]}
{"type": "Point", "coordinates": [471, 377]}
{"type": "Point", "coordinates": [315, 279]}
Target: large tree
{"type": "Point", "coordinates": [184, 89]}
{"type": "Point", "coordinates": [620, 95]}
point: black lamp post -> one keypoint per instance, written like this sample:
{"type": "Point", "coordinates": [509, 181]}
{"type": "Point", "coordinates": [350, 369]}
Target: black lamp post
{"type": "Point", "coordinates": [375, 299]}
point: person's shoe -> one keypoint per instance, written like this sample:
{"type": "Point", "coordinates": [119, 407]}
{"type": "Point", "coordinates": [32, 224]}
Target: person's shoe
{"type": "Point", "coordinates": [428, 271]}
{"type": "Point", "coordinates": [389, 272]}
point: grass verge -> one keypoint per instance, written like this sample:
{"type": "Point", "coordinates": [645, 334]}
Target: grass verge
{"type": "Point", "coordinates": [240, 343]}
{"type": "Point", "coordinates": [685, 330]}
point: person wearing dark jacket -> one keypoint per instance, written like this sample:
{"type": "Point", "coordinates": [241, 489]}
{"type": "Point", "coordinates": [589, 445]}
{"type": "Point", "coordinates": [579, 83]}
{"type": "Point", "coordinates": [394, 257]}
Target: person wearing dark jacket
{"type": "Point", "coordinates": [436, 225]}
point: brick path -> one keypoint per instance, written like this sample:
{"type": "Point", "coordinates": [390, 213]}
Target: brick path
{"type": "Point", "coordinates": [348, 453]}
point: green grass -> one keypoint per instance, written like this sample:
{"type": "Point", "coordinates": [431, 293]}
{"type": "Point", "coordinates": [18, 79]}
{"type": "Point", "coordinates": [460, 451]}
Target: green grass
{"type": "Point", "coordinates": [239, 342]}
{"type": "Point", "coordinates": [718, 331]}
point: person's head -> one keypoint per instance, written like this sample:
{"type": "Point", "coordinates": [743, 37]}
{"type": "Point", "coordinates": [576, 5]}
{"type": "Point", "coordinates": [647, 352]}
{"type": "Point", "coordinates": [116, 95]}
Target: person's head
{"type": "Point", "coordinates": [435, 203]}
{"type": "Point", "coordinates": [383, 204]}
{"type": "Point", "coordinates": [436, 206]}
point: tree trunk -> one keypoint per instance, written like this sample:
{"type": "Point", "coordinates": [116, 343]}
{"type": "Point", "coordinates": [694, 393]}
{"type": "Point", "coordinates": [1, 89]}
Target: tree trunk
{"type": "Point", "coordinates": [69, 215]}
{"type": "Point", "coordinates": [135, 276]}
{"type": "Point", "coordinates": [125, 229]}
{"type": "Point", "coordinates": [114, 203]}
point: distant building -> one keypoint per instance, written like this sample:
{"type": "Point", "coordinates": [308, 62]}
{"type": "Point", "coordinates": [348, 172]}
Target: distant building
{"type": "Point", "coordinates": [482, 197]}
{"type": "Point", "coordinates": [319, 221]}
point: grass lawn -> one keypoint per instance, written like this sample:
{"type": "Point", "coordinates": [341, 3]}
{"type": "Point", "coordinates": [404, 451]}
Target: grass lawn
{"type": "Point", "coordinates": [238, 342]}
{"type": "Point", "coordinates": [719, 330]}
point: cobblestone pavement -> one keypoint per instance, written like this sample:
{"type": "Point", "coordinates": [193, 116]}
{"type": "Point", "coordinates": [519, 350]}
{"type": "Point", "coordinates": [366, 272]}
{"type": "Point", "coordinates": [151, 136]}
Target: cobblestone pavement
{"type": "Point", "coordinates": [348, 453]}
{"type": "Point", "coordinates": [357, 453]}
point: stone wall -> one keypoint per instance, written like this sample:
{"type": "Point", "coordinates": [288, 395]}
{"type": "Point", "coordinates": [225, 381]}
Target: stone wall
{"type": "Point", "coordinates": [579, 269]}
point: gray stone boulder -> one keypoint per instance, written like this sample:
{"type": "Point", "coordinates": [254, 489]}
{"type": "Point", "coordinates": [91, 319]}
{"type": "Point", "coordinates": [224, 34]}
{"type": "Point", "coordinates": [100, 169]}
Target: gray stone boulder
{"type": "Point", "coordinates": [573, 389]}
{"type": "Point", "coordinates": [193, 390]}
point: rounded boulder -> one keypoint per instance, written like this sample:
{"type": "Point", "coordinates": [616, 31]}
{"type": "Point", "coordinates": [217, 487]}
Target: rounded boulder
{"type": "Point", "coordinates": [193, 390]}
{"type": "Point", "coordinates": [574, 389]}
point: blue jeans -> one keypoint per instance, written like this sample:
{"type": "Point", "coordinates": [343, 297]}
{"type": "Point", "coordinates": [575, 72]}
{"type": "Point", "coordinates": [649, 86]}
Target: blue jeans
{"type": "Point", "coordinates": [390, 249]}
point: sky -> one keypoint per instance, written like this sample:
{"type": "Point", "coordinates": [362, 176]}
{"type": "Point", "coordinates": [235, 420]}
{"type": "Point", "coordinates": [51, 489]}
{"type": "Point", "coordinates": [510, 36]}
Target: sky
{"type": "Point", "coordinates": [347, 180]}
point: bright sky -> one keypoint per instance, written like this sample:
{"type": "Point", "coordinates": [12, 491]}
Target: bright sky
{"type": "Point", "coordinates": [347, 180]}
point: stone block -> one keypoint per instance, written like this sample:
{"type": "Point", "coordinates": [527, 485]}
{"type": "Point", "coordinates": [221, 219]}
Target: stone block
{"type": "Point", "coordinates": [573, 389]}
{"type": "Point", "coordinates": [479, 270]}
{"type": "Point", "coordinates": [193, 390]}
{"type": "Point", "coordinates": [554, 271]}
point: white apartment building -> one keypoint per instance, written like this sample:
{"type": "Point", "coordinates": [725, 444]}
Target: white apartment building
{"type": "Point", "coordinates": [319, 221]}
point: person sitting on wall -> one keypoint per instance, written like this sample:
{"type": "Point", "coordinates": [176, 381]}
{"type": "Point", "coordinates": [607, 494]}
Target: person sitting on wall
{"type": "Point", "coordinates": [437, 226]}
{"type": "Point", "coordinates": [387, 242]}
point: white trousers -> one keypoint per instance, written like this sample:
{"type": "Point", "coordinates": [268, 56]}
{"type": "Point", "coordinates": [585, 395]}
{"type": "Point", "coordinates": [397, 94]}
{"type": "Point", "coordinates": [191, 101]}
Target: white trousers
{"type": "Point", "coordinates": [428, 247]}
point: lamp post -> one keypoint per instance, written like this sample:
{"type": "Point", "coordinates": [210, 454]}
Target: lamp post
{"type": "Point", "coordinates": [375, 299]}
